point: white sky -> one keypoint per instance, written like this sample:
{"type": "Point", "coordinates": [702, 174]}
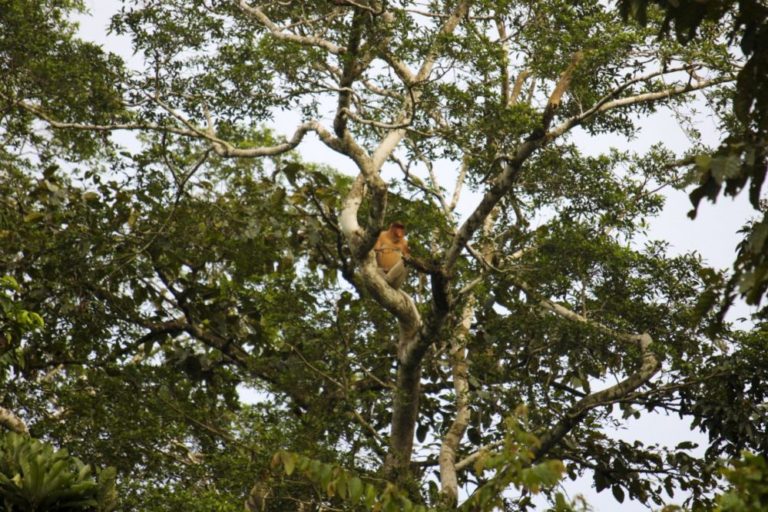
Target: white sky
{"type": "Point", "coordinates": [712, 234]}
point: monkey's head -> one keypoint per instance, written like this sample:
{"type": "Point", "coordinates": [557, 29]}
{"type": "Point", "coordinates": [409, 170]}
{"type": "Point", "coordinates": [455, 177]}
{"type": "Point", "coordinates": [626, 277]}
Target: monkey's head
{"type": "Point", "coordinates": [397, 229]}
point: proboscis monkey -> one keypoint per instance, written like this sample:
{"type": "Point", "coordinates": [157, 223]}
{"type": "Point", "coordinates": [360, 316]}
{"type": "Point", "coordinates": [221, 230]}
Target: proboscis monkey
{"type": "Point", "coordinates": [391, 247]}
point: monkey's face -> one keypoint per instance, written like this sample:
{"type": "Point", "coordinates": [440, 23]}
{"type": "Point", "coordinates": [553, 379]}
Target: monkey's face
{"type": "Point", "coordinates": [398, 232]}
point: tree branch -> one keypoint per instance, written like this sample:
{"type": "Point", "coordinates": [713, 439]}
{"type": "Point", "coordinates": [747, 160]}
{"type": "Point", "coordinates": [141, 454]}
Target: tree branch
{"type": "Point", "coordinates": [390, 141]}
{"type": "Point", "coordinates": [459, 184]}
{"type": "Point", "coordinates": [279, 33]}
{"type": "Point", "coordinates": [449, 486]}
{"type": "Point", "coordinates": [471, 458]}
{"type": "Point", "coordinates": [604, 104]}
{"type": "Point", "coordinates": [220, 146]}
{"type": "Point", "coordinates": [61, 125]}
{"type": "Point", "coordinates": [12, 422]}
{"type": "Point", "coordinates": [517, 88]}
{"type": "Point", "coordinates": [512, 165]}
{"type": "Point", "coordinates": [227, 150]}
{"type": "Point", "coordinates": [649, 368]}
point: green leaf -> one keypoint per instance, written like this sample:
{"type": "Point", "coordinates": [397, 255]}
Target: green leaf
{"type": "Point", "coordinates": [289, 463]}
{"type": "Point", "coordinates": [618, 493]}
{"type": "Point", "coordinates": [703, 162]}
{"type": "Point", "coordinates": [33, 217]}
{"type": "Point", "coordinates": [725, 167]}
{"type": "Point", "coordinates": [356, 489]}
{"type": "Point", "coordinates": [292, 170]}
{"type": "Point", "coordinates": [370, 495]}
{"type": "Point", "coordinates": [90, 196]}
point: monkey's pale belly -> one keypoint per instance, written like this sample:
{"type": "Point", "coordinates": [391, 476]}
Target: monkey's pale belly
{"type": "Point", "coordinates": [388, 259]}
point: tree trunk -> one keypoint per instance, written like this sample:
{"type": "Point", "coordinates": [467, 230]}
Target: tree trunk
{"type": "Point", "coordinates": [405, 409]}
{"type": "Point", "coordinates": [449, 484]}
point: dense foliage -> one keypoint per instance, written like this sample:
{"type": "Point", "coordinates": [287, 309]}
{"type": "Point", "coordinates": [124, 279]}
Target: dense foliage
{"type": "Point", "coordinates": [34, 476]}
{"type": "Point", "coordinates": [742, 158]}
{"type": "Point", "coordinates": [749, 485]}
{"type": "Point", "coordinates": [214, 325]}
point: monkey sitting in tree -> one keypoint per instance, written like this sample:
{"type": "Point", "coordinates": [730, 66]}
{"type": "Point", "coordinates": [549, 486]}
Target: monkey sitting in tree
{"type": "Point", "coordinates": [391, 247]}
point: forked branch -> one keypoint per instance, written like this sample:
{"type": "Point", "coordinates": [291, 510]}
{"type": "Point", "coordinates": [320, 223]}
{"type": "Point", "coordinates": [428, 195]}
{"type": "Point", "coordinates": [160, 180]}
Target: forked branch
{"type": "Point", "coordinates": [220, 146]}
{"type": "Point", "coordinates": [607, 104]}
{"type": "Point", "coordinates": [280, 33]}
{"type": "Point", "coordinates": [511, 165]}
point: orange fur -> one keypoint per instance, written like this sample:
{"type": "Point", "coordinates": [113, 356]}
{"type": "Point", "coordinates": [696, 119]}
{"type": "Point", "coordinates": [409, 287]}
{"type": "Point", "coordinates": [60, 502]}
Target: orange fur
{"type": "Point", "coordinates": [391, 246]}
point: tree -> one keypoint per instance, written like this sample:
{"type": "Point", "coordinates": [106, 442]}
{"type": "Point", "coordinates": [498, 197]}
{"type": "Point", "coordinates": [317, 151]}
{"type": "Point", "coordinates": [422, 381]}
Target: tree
{"type": "Point", "coordinates": [741, 158]}
{"type": "Point", "coordinates": [207, 255]}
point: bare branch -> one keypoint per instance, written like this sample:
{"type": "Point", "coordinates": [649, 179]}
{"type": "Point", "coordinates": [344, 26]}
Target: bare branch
{"type": "Point", "coordinates": [372, 433]}
{"type": "Point", "coordinates": [378, 124]}
{"type": "Point", "coordinates": [469, 459]}
{"type": "Point", "coordinates": [604, 104]}
{"type": "Point", "coordinates": [54, 123]}
{"type": "Point", "coordinates": [518, 87]}
{"type": "Point", "coordinates": [562, 85]}
{"type": "Point", "coordinates": [459, 183]}
{"type": "Point", "coordinates": [365, 7]}
{"type": "Point", "coordinates": [279, 32]}
{"type": "Point", "coordinates": [382, 91]}
{"type": "Point", "coordinates": [314, 368]}
{"type": "Point", "coordinates": [641, 341]}
{"type": "Point", "coordinates": [220, 146]}
{"type": "Point", "coordinates": [227, 150]}
{"type": "Point", "coordinates": [648, 369]}
{"type": "Point", "coordinates": [206, 133]}
{"type": "Point", "coordinates": [390, 141]}
{"type": "Point", "coordinates": [644, 78]}
{"type": "Point", "coordinates": [414, 180]}
{"type": "Point", "coordinates": [471, 285]}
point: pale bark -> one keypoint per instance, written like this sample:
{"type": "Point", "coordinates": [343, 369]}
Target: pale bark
{"type": "Point", "coordinates": [511, 165]}
{"type": "Point", "coordinates": [459, 184]}
{"type": "Point", "coordinates": [606, 104]}
{"type": "Point", "coordinates": [518, 87]}
{"type": "Point", "coordinates": [408, 382]}
{"type": "Point", "coordinates": [641, 341]}
{"type": "Point", "coordinates": [471, 458]}
{"type": "Point", "coordinates": [280, 33]}
{"type": "Point", "coordinates": [413, 338]}
{"type": "Point", "coordinates": [449, 484]}
{"type": "Point", "coordinates": [11, 422]}
{"type": "Point", "coordinates": [650, 367]}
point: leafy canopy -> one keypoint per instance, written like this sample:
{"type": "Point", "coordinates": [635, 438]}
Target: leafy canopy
{"type": "Point", "coordinates": [214, 324]}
